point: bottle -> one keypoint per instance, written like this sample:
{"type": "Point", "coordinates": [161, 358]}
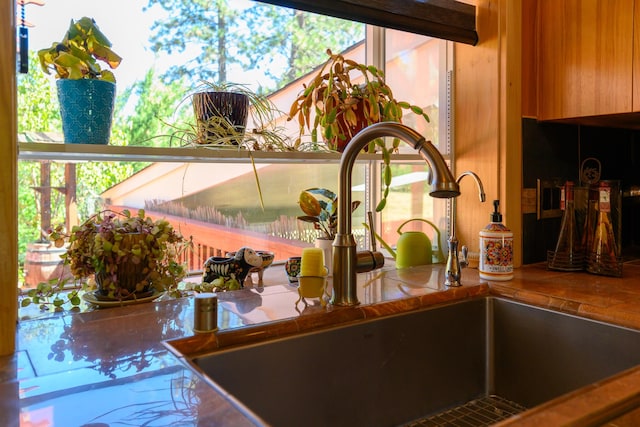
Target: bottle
{"type": "Point", "coordinates": [603, 256]}
{"type": "Point", "coordinates": [589, 226]}
{"type": "Point", "coordinates": [569, 252]}
{"type": "Point", "coordinates": [496, 249]}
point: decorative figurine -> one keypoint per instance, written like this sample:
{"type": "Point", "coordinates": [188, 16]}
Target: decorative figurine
{"type": "Point", "coordinates": [237, 267]}
{"type": "Point", "coordinates": [267, 260]}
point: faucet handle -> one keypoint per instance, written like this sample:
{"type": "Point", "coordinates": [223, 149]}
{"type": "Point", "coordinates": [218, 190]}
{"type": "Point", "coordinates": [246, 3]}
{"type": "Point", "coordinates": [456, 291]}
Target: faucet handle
{"type": "Point", "coordinates": [372, 232]}
{"type": "Point", "coordinates": [464, 261]}
{"type": "Point", "coordinates": [368, 261]}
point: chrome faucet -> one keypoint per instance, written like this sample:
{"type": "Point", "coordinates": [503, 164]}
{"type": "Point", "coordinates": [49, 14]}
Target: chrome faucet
{"type": "Point", "coordinates": [346, 260]}
{"type": "Point", "coordinates": [453, 271]}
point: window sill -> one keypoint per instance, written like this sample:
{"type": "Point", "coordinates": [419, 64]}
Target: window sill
{"type": "Point", "coordinates": [90, 152]}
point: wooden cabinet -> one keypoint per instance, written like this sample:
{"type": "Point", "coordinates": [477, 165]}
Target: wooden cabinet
{"type": "Point", "coordinates": [586, 62]}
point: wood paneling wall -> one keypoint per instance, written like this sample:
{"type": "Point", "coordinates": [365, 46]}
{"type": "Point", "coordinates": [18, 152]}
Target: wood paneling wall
{"type": "Point", "coordinates": [488, 117]}
{"type": "Point", "coordinates": [8, 184]}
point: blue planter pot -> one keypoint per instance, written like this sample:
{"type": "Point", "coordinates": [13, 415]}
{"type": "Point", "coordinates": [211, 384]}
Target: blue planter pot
{"type": "Point", "coordinates": [86, 107]}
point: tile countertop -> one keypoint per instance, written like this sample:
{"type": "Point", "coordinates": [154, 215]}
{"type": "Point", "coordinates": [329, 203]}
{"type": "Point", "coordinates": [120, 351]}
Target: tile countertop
{"type": "Point", "coordinates": [109, 366]}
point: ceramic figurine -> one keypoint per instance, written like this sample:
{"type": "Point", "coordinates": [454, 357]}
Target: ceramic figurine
{"type": "Point", "coordinates": [237, 267]}
{"type": "Point", "coordinates": [267, 260]}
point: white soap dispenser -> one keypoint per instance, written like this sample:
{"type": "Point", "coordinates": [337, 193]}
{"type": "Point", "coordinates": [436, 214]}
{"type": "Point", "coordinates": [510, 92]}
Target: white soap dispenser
{"type": "Point", "coordinates": [496, 249]}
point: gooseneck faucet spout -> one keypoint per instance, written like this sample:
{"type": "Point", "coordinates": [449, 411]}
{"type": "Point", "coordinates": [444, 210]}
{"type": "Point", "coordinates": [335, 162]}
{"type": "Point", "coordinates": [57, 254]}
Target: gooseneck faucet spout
{"type": "Point", "coordinates": [345, 257]}
{"type": "Point", "coordinates": [453, 271]}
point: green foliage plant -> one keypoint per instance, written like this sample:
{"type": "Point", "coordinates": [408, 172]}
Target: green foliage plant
{"type": "Point", "coordinates": [340, 107]}
{"type": "Point", "coordinates": [77, 55]}
{"type": "Point", "coordinates": [38, 111]}
{"type": "Point", "coordinates": [154, 100]}
{"type": "Point", "coordinates": [54, 293]}
{"type": "Point", "coordinates": [218, 131]}
{"type": "Point", "coordinates": [102, 245]}
{"type": "Point", "coordinates": [320, 207]}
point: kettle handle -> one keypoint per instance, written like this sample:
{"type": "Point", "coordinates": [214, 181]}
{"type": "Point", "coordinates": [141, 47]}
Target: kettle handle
{"type": "Point", "coordinates": [419, 219]}
{"type": "Point", "coordinates": [440, 255]}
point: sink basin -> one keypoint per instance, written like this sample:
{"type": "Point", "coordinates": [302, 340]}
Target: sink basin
{"type": "Point", "coordinates": [394, 370]}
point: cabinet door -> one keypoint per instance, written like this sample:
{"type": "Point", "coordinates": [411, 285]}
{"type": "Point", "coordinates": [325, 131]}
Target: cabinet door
{"type": "Point", "coordinates": [585, 58]}
{"type": "Point", "coordinates": [636, 57]}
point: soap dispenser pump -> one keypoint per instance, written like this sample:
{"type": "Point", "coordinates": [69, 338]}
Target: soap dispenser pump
{"type": "Point", "coordinates": [496, 248]}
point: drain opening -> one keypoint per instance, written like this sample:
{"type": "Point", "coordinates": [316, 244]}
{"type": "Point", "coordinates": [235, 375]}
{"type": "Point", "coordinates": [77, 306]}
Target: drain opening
{"type": "Point", "coordinates": [479, 412]}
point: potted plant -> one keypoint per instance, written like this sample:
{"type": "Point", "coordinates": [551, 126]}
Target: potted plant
{"type": "Point", "coordinates": [130, 256]}
{"type": "Point", "coordinates": [86, 91]}
{"type": "Point", "coordinates": [222, 111]}
{"type": "Point", "coordinates": [320, 207]}
{"type": "Point", "coordinates": [342, 106]}
{"type": "Point", "coordinates": [337, 103]}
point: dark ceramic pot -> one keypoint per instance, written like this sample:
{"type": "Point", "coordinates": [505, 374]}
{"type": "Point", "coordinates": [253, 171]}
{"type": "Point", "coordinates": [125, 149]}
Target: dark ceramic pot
{"type": "Point", "coordinates": [210, 107]}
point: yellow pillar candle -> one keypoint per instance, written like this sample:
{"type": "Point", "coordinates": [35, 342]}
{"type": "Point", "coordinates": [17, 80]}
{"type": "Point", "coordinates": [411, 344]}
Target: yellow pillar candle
{"type": "Point", "coordinates": [312, 263]}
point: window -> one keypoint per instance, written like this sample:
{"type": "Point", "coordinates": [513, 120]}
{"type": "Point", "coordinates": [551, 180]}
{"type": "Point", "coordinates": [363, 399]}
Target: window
{"type": "Point", "coordinates": [216, 200]}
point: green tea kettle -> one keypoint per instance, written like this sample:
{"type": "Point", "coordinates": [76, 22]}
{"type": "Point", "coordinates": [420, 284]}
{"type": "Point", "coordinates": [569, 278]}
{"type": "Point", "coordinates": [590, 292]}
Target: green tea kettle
{"type": "Point", "coordinates": [413, 247]}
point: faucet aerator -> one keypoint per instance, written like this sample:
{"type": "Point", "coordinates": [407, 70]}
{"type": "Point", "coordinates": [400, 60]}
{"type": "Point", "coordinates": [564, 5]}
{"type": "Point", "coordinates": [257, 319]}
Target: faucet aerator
{"type": "Point", "coordinates": [444, 194]}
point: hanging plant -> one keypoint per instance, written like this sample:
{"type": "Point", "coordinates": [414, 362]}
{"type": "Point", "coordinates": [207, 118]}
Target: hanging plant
{"type": "Point", "coordinates": [335, 104]}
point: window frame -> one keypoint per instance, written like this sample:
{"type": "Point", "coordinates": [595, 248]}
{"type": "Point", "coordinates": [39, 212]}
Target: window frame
{"type": "Point", "coordinates": [375, 39]}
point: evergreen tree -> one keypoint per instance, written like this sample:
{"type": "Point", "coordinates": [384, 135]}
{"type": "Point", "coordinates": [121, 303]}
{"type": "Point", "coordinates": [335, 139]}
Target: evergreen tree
{"type": "Point", "coordinates": [282, 43]}
{"type": "Point", "coordinates": [156, 107]}
{"type": "Point", "coordinates": [297, 39]}
{"type": "Point", "coordinates": [202, 26]}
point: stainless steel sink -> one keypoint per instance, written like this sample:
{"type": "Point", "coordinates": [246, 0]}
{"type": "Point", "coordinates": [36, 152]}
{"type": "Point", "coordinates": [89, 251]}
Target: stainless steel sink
{"type": "Point", "coordinates": [394, 370]}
